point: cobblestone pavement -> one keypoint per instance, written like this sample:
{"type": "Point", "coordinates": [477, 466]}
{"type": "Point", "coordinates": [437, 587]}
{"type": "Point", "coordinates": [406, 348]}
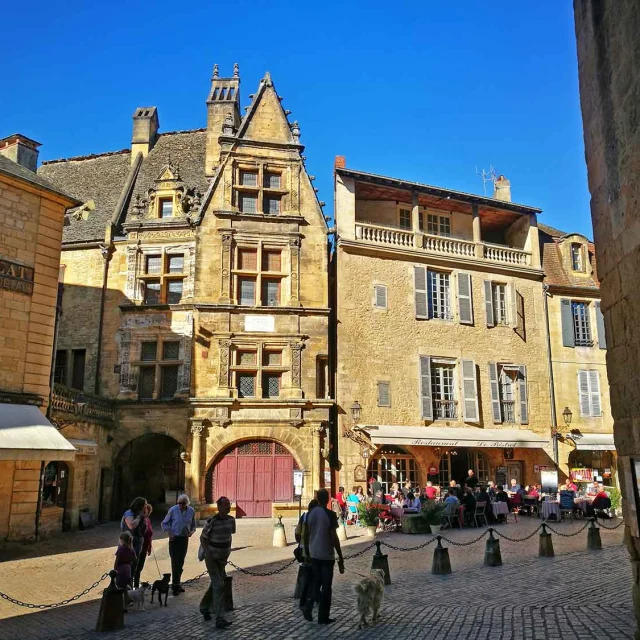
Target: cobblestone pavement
{"type": "Point", "coordinates": [577, 594]}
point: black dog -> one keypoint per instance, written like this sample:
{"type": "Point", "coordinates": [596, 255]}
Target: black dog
{"type": "Point", "coordinates": [162, 587]}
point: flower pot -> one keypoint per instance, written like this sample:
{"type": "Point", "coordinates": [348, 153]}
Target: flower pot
{"type": "Point", "coordinates": [435, 529]}
{"type": "Point", "coordinates": [371, 531]}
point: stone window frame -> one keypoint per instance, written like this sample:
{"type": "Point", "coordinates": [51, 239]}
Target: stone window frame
{"type": "Point", "coordinates": [136, 267]}
{"type": "Point", "coordinates": [258, 368]}
{"type": "Point", "coordinates": [261, 192]}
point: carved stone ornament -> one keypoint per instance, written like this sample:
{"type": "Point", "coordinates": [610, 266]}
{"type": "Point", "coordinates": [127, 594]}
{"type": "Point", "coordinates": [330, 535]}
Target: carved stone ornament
{"type": "Point", "coordinates": [197, 429]}
{"type": "Point", "coordinates": [225, 346]}
{"type": "Point", "coordinates": [228, 126]}
{"type": "Point", "coordinates": [359, 474]}
{"type": "Point", "coordinates": [296, 363]}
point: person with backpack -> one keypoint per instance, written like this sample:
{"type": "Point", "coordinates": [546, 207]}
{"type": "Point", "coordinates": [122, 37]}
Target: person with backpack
{"type": "Point", "coordinates": [307, 578]}
{"type": "Point", "coordinates": [215, 542]}
{"type": "Point", "coordinates": [134, 521]}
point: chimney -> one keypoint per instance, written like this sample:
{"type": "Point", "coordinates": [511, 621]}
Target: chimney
{"type": "Point", "coordinates": [340, 162]}
{"type": "Point", "coordinates": [223, 114]}
{"type": "Point", "coordinates": [20, 149]}
{"type": "Point", "coordinates": [145, 131]}
{"type": "Point", "coordinates": [502, 189]}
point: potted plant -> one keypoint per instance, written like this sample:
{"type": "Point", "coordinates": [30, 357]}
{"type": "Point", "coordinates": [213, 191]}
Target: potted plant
{"type": "Point", "coordinates": [369, 516]}
{"type": "Point", "coordinates": [432, 513]}
{"type": "Point", "coordinates": [616, 500]}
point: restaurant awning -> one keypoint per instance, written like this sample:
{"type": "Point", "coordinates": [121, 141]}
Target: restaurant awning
{"type": "Point", "coordinates": [26, 434]}
{"type": "Point", "coordinates": [454, 437]}
{"type": "Point", "coordinates": [596, 442]}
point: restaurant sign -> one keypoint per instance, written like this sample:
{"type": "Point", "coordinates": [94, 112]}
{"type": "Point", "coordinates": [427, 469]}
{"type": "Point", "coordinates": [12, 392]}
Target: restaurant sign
{"type": "Point", "coordinates": [16, 277]}
{"type": "Point", "coordinates": [500, 444]}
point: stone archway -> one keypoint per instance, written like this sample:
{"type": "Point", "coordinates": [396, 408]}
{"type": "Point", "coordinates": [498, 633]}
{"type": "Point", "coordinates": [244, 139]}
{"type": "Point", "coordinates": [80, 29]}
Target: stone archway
{"type": "Point", "coordinates": [148, 466]}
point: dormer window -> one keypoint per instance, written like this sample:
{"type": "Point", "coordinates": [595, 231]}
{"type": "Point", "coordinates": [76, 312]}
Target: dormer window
{"type": "Point", "coordinates": [577, 261]}
{"type": "Point", "coordinates": [165, 207]}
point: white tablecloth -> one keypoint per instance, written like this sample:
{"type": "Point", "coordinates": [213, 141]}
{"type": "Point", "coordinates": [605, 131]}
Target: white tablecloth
{"type": "Point", "coordinates": [499, 508]}
{"type": "Point", "coordinates": [549, 507]}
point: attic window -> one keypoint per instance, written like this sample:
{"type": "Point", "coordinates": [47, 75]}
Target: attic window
{"type": "Point", "coordinates": [577, 262]}
{"type": "Point", "coordinates": [165, 207]}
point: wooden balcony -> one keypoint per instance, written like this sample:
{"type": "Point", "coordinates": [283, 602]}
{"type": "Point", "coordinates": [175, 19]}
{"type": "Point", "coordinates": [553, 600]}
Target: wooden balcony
{"type": "Point", "coordinates": [441, 245]}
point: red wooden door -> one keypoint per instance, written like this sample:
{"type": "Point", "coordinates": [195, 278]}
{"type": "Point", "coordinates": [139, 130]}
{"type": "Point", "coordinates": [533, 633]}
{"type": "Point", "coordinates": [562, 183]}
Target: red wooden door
{"type": "Point", "coordinates": [225, 480]}
{"type": "Point", "coordinates": [244, 487]}
{"type": "Point", "coordinates": [263, 486]}
{"type": "Point", "coordinates": [284, 479]}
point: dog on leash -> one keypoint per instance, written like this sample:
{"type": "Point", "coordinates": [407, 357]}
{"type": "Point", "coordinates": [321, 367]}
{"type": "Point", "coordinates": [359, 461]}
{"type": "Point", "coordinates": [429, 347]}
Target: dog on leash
{"type": "Point", "coordinates": [370, 591]}
{"type": "Point", "coordinates": [136, 596]}
{"type": "Point", "coordinates": [162, 587]}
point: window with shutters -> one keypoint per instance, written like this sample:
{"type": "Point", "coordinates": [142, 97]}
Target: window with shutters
{"type": "Point", "coordinates": [577, 262]}
{"type": "Point", "coordinates": [258, 275]}
{"type": "Point", "coordinates": [439, 295]}
{"type": "Point", "coordinates": [507, 400]}
{"type": "Point", "coordinates": [581, 324]}
{"type": "Point", "coordinates": [159, 369]}
{"type": "Point", "coordinates": [259, 190]}
{"type": "Point", "coordinates": [380, 296]}
{"type": "Point", "coordinates": [589, 394]}
{"type": "Point", "coordinates": [257, 371]}
{"type": "Point", "coordinates": [404, 218]}
{"type": "Point", "coordinates": [438, 225]}
{"type": "Point", "coordinates": [500, 308]}
{"type": "Point", "coordinates": [443, 390]}
{"type": "Point", "coordinates": [384, 394]}
{"type": "Point", "coordinates": [509, 396]}
{"type": "Point", "coordinates": [163, 278]}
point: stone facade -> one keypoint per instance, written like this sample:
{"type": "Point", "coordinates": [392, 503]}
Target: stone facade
{"type": "Point", "coordinates": [608, 53]}
{"type": "Point", "coordinates": [200, 258]}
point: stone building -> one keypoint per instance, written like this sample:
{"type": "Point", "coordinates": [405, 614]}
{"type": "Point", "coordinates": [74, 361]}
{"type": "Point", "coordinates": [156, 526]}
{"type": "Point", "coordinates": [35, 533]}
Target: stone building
{"type": "Point", "coordinates": [196, 298]}
{"type": "Point", "coordinates": [578, 347]}
{"type": "Point", "coordinates": [441, 336]}
{"type": "Point", "coordinates": [609, 74]}
{"type": "Point", "coordinates": [32, 213]}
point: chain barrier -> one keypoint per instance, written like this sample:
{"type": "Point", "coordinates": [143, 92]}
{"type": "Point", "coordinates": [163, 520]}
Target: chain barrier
{"type": "Point", "coordinates": [567, 535]}
{"type": "Point", "coordinates": [420, 546]}
{"type": "Point", "coordinates": [533, 533]}
{"type": "Point", "coordinates": [467, 543]}
{"type": "Point", "coordinates": [202, 575]}
{"type": "Point", "coordinates": [261, 574]}
{"type": "Point", "coordinates": [612, 528]}
{"type": "Point", "coordinates": [54, 605]}
{"type": "Point", "coordinates": [360, 553]}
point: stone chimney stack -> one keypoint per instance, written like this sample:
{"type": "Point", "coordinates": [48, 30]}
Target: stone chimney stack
{"type": "Point", "coordinates": [502, 189]}
{"type": "Point", "coordinates": [20, 149]}
{"type": "Point", "coordinates": [223, 114]}
{"type": "Point", "coordinates": [145, 131]}
{"type": "Point", "coordinates": [340, 162]}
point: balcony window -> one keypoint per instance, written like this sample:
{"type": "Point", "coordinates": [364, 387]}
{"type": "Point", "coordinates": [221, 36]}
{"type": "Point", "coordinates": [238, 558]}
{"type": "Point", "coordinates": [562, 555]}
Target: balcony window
{"type": "Point", "coordinates": [500, 309]}
{"type": "Point", "coordinates": [405, 218]}
{"type": "Point", "coordinates": [438, 225]}
{"type": "Point", "coordinates": [443, 391]}
{"type": "Point", "coordinates": [439, 295]}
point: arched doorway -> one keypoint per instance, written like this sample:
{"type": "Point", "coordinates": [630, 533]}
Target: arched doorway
{"type": "Point", "coordinates": [149, 466]}
{"type": "Point", "coordinates": [54, 488]}
{"type": "Point", "coordinates": [393, 464]}
{"type": "Point", "coordinates": [253, 475]}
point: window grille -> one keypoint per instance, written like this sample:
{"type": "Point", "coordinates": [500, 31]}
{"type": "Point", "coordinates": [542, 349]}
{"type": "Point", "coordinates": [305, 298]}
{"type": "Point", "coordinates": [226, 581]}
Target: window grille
{"type": "Point", "coordinates": [146, 382]}
{"type": "Point", "coordinates": [168, 381]}
{"type": "Point", "coordinates": [246, 385]}
{"type": "Point", "coordinates": [170, 350]}
{"type": "Point", "coordinates": [270, 385]}
{"type": "Point", "coordinates": [581, 324]}
{"type": "Point", "coordinates": [148, 351]}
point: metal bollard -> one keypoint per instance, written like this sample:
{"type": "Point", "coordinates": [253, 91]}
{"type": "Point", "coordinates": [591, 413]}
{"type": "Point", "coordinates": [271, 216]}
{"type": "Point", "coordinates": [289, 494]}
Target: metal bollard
{"type": "Point", "coordinates": [545, 549]}
{"type": "Point", "coordinates": [594, 541]}
{"type": "Point", "coordinates": [111, 616]}
{"type": "Point", "coordinates": [381, 561]}
{"type": "Point", "coordinates": [227, 593]}
{"type": "Point", "coordinates": [441, 564]}
{"type": "Point", "coordinates": [279, 535]}
{"type": "Point", "coordinates": [492, 555]}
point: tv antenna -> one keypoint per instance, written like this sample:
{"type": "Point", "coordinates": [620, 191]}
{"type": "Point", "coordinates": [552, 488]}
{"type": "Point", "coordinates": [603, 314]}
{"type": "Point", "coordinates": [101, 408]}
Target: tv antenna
{"type": "Point", "coordinates": [487, 176]}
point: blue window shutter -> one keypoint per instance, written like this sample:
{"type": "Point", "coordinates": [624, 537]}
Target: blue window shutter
{"type": "Point", "coordinates": [566, 315]}
{"type": "Point", "coordinates": [602, 340]}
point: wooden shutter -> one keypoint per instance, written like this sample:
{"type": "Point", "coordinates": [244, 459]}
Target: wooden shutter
{"type": "Point", "coordinates": [425, 388]}
{"type": "Point", "coordinates": [420, 285]}
{"type": "Point", "coordinates": [520, 327]}
{"type": "Point", "coordinates": [566, 316]}
{"type": "Point", "coordinates": [594, 392]}
{"type": "Point", "coordinates": [495, 393]}
{"type": "Point", "coordinates": [470, 391]}
{"type": "Point", "coordinates": [602, 340]}
{"type": "Point", "coordinates": [522, 385]}
{"type": "Point", "coordinates": [488, 302]}
{"type": "Point", "coordinates": [384, 394]}
{"type": "Point", "coordinates": [583, 393]}
{"type": "Point", "coordinates": [512, 315]}
{"type": "Point", "coordinates": [380, 296]}
{"type": "Point", "coordinates": [465, 302]}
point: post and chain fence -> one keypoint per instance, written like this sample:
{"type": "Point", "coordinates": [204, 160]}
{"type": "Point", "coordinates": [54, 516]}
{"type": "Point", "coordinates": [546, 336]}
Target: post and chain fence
{"type": "Point", "coordinates": [438, 537]}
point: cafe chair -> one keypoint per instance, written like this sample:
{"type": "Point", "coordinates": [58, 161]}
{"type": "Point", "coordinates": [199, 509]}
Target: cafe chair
{"type": "Point", "coordinates": [450, 515]}
{"type": "Point", "coordinates": [531, 504]}
{"type": "Point", "coordinates": [352, 513]}
{"type": "Point", "coordinates": [480, 514]}
{"type": "Point", "coordinates": [567, 504]}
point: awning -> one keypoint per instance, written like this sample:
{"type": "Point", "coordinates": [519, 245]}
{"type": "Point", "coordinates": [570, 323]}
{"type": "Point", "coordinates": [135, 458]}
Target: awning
{"type": "Point", "coordinates": [596, 442]}
{"type": "Point", "coordinates": [85, 447]}
{"type": "Point", "coordinates": [453, 437]}
{"type": "Point", "coordinates": [25, 434]}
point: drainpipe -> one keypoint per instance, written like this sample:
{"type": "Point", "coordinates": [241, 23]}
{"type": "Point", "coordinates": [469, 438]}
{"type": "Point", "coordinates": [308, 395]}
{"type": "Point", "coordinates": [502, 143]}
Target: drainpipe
{"type": "Point", "coordinates": [106, 256]}
{"type": "Point", "coordinates": [552, 392]}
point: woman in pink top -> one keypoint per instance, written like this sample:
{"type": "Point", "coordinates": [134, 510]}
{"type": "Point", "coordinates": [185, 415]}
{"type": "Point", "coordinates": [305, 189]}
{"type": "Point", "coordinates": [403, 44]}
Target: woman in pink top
{"type": "Point", "coordinates": [146, 545]}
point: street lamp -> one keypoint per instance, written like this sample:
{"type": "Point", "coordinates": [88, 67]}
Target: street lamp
{"type": "Point", "coordinates": [573, 436]}
{"type": "Point", "coordinates": [567, 415]}
{"type": "Point", "coordinates": [355, 412]}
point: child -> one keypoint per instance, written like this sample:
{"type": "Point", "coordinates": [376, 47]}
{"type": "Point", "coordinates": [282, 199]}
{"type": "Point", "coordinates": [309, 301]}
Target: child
{"type": "Point", "coordinates": [125, 556]}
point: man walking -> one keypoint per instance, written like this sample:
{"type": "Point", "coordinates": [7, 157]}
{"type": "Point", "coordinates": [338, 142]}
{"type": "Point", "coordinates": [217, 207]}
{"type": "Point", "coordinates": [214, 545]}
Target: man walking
{"type": "Point", "coordinates": [180, 524]}
{"type": "Point", "coordinates": [320, 546]}
{"type": "Point", "coordinates": [216, 544]}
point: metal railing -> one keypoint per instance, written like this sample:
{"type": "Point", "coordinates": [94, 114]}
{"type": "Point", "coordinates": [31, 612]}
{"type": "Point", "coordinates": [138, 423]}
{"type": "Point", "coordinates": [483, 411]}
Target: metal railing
{"type": "Point", "coordinates": [444, 409]}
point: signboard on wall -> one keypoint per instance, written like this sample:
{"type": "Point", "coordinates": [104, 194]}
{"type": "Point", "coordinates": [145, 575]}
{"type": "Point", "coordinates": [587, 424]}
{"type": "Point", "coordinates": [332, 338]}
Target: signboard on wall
{"type": "Point", "coordinates": [298, 482]}
{"type": "Point", "coordinates": [549, 481]}
{"type": "Point", "coordinates": [16, 277]}
{"type": "Point", "coordinates": [261, 324]}
{"type": "Point", "coordinates": [501, 475]}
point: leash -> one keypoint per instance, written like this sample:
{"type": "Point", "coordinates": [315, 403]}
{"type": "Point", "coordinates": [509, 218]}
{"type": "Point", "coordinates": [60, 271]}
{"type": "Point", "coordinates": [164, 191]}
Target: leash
{"type": "Point", "coordinates": [156, 559]}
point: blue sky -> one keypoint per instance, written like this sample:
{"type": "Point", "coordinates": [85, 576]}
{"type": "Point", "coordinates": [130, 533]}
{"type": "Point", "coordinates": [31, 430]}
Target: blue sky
{"type": "Point", "coordinates": [425, 91]}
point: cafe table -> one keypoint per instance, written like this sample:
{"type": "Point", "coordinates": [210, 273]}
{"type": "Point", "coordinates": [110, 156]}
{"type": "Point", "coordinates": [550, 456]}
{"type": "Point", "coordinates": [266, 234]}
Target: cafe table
{"type": "Point", "coordinates": [551, 507]}
{"type": "Point", "coordinates": [500, 508]}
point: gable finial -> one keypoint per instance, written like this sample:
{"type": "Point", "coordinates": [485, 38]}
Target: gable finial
{"type": "Point", "coordinates": [267, 79]}
{"type": "Point", "coordinates": [236, 70]}
{"type": "Point", "coordinates": [216, 72]}
{"type": "Point", "coordinates": [295, 131]}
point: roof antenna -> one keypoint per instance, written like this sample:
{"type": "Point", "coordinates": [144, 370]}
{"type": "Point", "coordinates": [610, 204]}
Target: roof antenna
{"type": "Point", "coordinates": [487, 176]}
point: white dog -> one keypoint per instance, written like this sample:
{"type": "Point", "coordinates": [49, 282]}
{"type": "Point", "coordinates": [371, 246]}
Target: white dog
{"type": "Point", "coordinates": [370, 592]}
{"type": "Point", "coordinates": [136, 596]}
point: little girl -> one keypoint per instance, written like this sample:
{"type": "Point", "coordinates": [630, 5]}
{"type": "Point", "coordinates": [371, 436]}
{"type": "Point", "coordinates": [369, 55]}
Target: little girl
{"type": "Point", "coordinates": [125, 556]}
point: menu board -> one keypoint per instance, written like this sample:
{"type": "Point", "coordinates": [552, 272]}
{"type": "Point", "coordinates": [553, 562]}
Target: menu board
{"type": "Point", "coordinates": [549, 481]}
{"type": "Point", "coordinates": [501, 476]}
